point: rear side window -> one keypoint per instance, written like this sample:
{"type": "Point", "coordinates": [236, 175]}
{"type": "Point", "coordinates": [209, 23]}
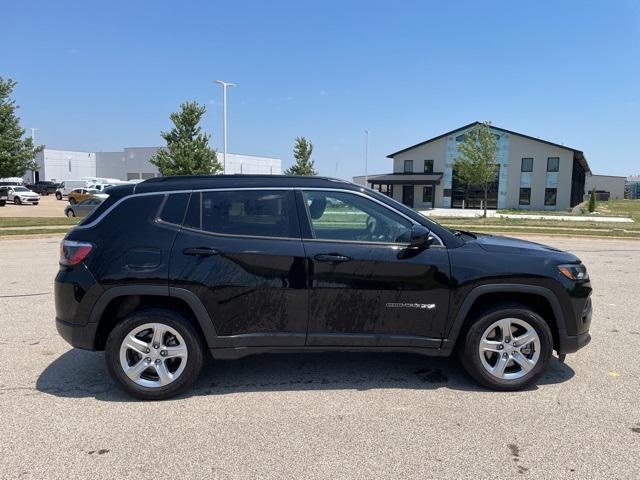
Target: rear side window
{"type": "Point", "coordinates": [173, 208]}
{"type": "Point", "coordinates": [258, 213]}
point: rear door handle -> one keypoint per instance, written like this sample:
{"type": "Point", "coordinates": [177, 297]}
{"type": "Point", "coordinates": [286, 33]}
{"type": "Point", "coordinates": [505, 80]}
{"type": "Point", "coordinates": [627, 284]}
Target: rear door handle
{"type": "Point", "coordinates": [331, 258]}
{"type": "Point", "coordinates": [201, 251]}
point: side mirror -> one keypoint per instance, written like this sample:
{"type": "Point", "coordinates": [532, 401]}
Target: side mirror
{"type": "Point", "coordinates": [420, 237]}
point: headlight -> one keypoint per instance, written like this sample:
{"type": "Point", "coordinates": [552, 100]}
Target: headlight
{"type": "Point", "coordinates": [574, 271]}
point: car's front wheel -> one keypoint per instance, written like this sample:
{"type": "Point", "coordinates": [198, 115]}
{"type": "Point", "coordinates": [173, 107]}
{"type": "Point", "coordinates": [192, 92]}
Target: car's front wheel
{"type": "Point", "coordinates": [17, 201]}
{"type": "Point", "coordinates": [72, 201]}
{"type": "Point", "coordinates": [154, 354]}
{"type": "Point", "coordinates": [58, 196]}
{"type": "Point", "coordinates": [507, 348]}
{"type": "Point", "coordinates": [70, 213]}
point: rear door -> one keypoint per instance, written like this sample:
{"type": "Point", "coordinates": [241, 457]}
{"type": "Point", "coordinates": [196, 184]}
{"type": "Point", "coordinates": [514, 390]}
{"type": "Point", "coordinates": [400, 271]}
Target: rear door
{"type": "Point", "coordinates": [367, 287]}
{"type": "Point", "coordinates": [240, 252]}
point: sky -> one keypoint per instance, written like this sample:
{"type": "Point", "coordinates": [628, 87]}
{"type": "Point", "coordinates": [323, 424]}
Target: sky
{"type": "Point", "coordinates": [101, 76]}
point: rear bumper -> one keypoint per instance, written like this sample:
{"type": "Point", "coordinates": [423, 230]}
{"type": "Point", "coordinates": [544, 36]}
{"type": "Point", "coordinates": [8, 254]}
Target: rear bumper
{"type": "Point", "coordinates": [79, 336]}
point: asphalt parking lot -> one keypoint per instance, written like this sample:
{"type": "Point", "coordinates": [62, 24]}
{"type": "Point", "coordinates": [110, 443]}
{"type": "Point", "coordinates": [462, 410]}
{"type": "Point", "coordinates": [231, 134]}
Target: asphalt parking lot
{"type": "Point", "coordinates": [319, 415]}
{"type": "Point", "coordinates": [49, 206]}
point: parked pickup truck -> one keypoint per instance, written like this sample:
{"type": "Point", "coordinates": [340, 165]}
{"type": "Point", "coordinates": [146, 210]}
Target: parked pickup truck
{"type": "Point", "coordinates": [165, 270]}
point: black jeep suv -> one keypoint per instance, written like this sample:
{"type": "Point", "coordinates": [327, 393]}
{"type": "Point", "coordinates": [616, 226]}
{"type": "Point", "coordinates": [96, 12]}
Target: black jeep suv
{"type": "Point", "coordinates": [163, 270]}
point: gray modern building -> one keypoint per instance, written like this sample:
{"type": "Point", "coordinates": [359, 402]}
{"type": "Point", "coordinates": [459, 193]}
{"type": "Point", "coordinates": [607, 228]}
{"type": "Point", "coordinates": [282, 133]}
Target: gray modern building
{"type": "Point", "coordinates": [533, 174]}
{"type": "Point", "coordinates": [608, 187]}
{"type": "Point", "coordinates": [130, 164]}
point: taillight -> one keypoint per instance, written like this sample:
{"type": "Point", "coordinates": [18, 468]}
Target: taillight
{"type": "Point", "coordinates": [72, 252]}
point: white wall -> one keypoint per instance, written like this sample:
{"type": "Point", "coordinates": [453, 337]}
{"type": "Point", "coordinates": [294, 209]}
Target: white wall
{"type": "Point", "coordinates": [60, 165]}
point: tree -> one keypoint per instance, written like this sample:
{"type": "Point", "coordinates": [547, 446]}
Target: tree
{"type": "Point", "coordinates": [477, 161]}
{"type": "Point", "coordinates": [187, 151]}
{"type": "Point", "coordinates": [17, 154]}
{"type": "Point", "coordinates": [302, 153]}
{"type": "Point", "coordinates": [592, 201]}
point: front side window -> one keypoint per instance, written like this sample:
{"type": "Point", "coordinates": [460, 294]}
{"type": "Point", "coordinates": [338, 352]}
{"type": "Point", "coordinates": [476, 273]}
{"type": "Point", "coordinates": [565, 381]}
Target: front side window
{"type": "Point", "coordinates": [408, 166]}
{"type": "Point", "coordinates": [342, 216]}
{"type": "Point", "coordinates": [254, 213]}
{"type": "Point", "coordinates": [527, 165]}
{"type": "Point", "coordinates": [553, 164]}
{"type": "Point", "coordinates": [525, 196]}
{"type": "Point", "coordinates": [428, 166]}
{"type": "Point", "coordinates": [550, 196]}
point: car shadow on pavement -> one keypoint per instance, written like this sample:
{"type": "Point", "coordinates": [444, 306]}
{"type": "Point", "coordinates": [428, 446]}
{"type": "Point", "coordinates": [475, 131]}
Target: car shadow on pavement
{"type": "Point", "coordinates": [78, 373]}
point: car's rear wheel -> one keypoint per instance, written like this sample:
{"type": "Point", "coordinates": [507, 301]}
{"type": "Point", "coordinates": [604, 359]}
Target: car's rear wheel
{"type": "Point", "coordinates": [154, 354]}
{"type": "Point", "coordinates": [507, 348]}
{"type": "Point", "coordinates": [17, 201]}
{"type": "Point", "coordinates": [58, 195]}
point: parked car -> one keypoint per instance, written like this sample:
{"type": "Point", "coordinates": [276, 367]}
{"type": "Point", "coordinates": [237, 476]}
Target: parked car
{"type": "Point", "coordinates": [68, 185]}
{"type": "Point", "coordinates": [172, 267]}
{"type": "Point", "coordinates": [3, 196]}
{"type": "Point", "coordinates": [83, 208]}
{"type": "Point", "coordinates": [80, 194]}
{"type": "Point", "coordinates": [43, 187]}
{"type": "Point", "coordinates": [21, 195]}
{"type": "Point", "coordinates": [100, 186]}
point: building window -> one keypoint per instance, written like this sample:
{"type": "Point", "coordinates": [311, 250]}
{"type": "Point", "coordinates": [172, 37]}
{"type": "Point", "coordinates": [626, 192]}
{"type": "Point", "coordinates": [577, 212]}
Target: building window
{"type": "Point", "coordinates": [408, 166]}
{"type": "Point", "coordinates": [553, 164]}
{"type": "Point", "coordinates": [460, 138]}
{"type": "Point", "coordinates": [527, 165]}
{"type": "Point", "coordinates": [550, 196]}
{"type": "Point", "coordinates": [428, 166]}
{"type": "Point", "coordinates": [525, 196]}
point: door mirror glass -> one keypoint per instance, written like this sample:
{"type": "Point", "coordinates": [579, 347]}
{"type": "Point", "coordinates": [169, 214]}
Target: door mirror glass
{"type": "Point", "coordinates": [420, 237]}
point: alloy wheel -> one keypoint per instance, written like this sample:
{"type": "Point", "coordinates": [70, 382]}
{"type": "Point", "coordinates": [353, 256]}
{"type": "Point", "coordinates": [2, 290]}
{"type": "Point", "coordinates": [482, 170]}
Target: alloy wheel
{"type": "Point", "coordinates": [153, 355]}
{"type": "Point", "coordinates": [509, 348]}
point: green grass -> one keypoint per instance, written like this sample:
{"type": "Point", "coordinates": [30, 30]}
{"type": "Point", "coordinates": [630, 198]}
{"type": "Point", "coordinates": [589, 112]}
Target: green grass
{"type": "Point", "coordinates": [37, 221]}
{"type": "Point", "coordinates": [627, 208]}
{"type": "Point", "coordinates": [33, 231]}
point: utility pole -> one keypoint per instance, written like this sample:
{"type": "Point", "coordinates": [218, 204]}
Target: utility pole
{"type": "Point", "coordinates": [224, 121]}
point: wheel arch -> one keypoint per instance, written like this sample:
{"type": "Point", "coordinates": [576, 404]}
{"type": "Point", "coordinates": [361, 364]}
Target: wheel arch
{"type": "Point", "coordinates": [540, 299]}
{"type": "Point", "coordinates": [118, 302]}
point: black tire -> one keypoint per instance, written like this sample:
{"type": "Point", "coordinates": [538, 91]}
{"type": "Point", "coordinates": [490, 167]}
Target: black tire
{"type": "Point", "coordinates": [35, 203]}
{"type": "Point", "coordinates": [470, 356]}
{"type": "Point", "coordinates": [194, 343]}
{"type": "Point", "coordinates": [58, 196]}
{"type": "Point", "coordinates": [17, 201]}
{"type": "Point", "coordinates": [72, 201]}
{"type": "Point", "coordinates": [70, 212]}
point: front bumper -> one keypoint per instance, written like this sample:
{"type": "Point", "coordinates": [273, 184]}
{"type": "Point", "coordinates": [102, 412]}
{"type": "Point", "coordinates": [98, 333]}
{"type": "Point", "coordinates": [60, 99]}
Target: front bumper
{"type": "Point", "coordinates": [79, 336]}
{"type": "Point", "coordinates": [573, 343]}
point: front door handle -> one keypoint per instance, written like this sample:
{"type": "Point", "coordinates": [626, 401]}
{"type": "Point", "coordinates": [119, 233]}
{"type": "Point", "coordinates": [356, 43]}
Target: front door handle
{"type": "Point", "coordinates": [201, 251]}
{"type": "Point", "coordinates": [331, 258]}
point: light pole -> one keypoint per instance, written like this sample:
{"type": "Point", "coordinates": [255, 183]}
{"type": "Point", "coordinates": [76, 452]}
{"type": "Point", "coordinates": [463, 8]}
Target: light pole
{"type": "Point", "coordinates": [224, 120]}
{"type": "Point", "coordinates": [366, 156]}
{"type": "Point", "coordinates": [33, 141]}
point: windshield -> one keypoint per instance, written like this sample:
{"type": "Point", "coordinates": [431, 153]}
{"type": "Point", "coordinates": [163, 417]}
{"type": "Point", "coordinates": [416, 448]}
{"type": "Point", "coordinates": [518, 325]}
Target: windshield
{"type": "Point", "coordinates": [20, 189]}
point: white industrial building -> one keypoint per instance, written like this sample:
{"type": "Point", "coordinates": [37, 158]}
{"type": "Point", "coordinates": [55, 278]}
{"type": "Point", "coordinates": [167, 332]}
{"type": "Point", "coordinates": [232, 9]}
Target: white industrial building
{"type": "Point", "coordinates": [130, 164]}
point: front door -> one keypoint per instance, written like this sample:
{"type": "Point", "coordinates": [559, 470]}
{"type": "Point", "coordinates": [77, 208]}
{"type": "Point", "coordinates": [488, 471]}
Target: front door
{"type": "Point", "coordinates": [407, 195]}
{"type": "Point", "coordinates": [240, 252]}
{"type": "Point", "coordinates": [367, 287]}
{"type": "Point", "coordinates": [427, 196]}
